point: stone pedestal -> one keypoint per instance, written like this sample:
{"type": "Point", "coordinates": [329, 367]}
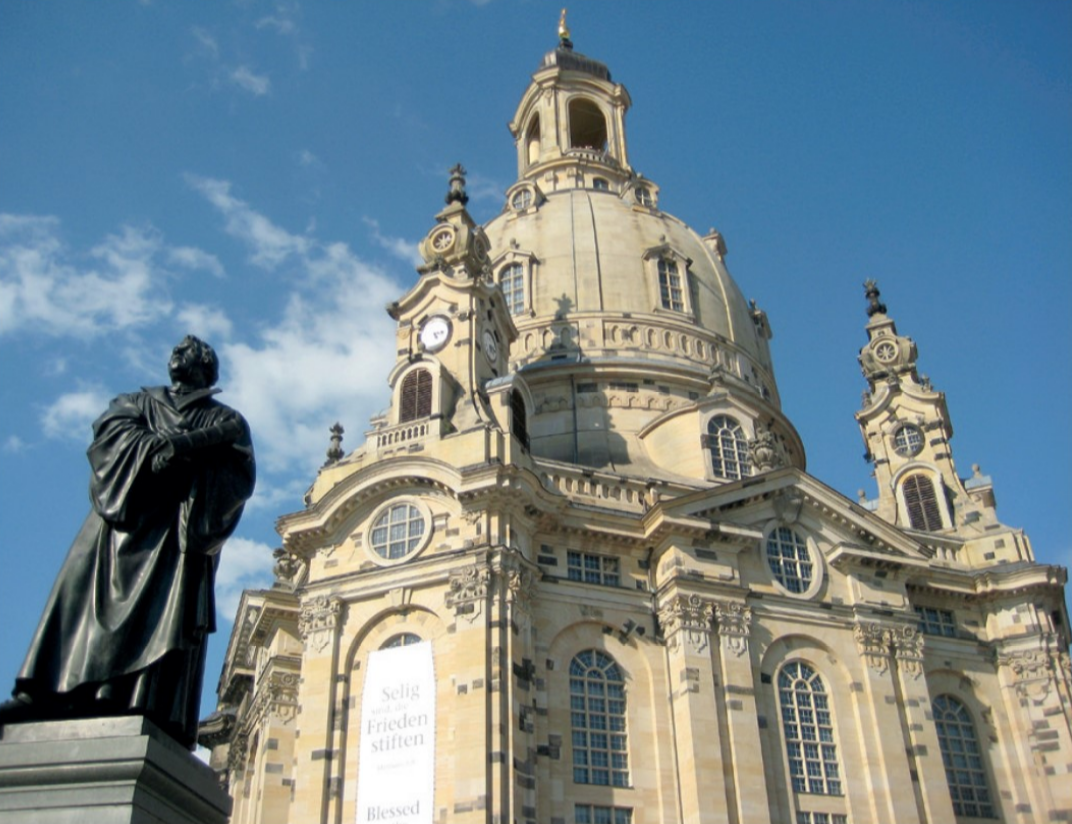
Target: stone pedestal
{"type": "Point", "coordinates": [104, 771]}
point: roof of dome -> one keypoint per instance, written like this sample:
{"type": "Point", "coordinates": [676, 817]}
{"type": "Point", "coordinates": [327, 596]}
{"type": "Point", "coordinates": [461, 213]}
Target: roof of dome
{"type": "Point", "coordinates": [598, 251]}
{"type": "Point", "coordinates": [566, 58]}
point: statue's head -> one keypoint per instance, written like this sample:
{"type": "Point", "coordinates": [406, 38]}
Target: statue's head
{"type": "Point", "coordinates": [194, 363]}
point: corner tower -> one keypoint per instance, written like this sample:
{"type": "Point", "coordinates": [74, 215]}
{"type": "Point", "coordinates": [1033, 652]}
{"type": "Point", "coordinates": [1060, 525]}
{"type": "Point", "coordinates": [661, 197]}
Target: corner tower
{"type": "Point", "coordinates": [636, 342]}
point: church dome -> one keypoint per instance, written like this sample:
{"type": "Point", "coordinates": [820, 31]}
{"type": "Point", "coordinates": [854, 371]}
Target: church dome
{"type": "Point", "coordinates": [619, 305]}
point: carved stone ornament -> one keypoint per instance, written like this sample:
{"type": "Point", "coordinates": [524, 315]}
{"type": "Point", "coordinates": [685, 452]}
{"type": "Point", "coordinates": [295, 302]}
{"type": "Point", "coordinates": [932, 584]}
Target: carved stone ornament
{"type": "Point", "coordinates": [688, 619]}
{"type": "Point", "coordinates": [288, 568]}
{"type": "Point", "coordinates": [1032, 672]}
{"type": "Point", "coordinates": [317, 621]}
{"type": "Point", "coordinates": [276, 699]}
{"type": "Point", "coordinates": [236, 755]}
{"type": "Point", "coordinates": [734, 625]}
{"type": "Point", "coordinates": [765, 450]}
{"type": "Point", "coordinates": [908, 647]}
{"type": "Point", "coordinates": [873, 642]}
{"type": "Point", "coordinates": [468, 592]}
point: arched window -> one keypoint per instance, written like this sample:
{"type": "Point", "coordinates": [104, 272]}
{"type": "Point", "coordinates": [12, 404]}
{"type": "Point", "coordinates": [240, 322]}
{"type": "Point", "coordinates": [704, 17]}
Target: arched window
{"type": "Point", "coordinates": [921, 501]}
{"type": "Point", "coordinates": [670, 291]}
{"type": "Point", "coordinates": [644, 197]}
{"type": "Point", "coordinates": [532, 141]}
{"type": "Point", "coordinates": [597, 720]}
{"type": "Point", "coordinates": [416, 396]}
{"type": "Point", "coordinates": [587, 127]}
{"type": "Point", "coordinates": [600, 184]}
{"type": "Point", "coordinates": [519, 418]}
{"type": "Point", "coordinates": [729, 448]}
{"type": "Point", "coordinates": [403, 639]}
{"type": "Point", "coordinates": [964, 768]}
{"type": "Point", "coordinates": [808, 728]}
{"type": "Point", "coordinates": [512, 282]}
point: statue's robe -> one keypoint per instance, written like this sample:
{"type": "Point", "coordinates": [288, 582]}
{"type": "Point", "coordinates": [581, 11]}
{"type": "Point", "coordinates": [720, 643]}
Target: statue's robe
{"type": "Point", "coordinates": [126, 625]}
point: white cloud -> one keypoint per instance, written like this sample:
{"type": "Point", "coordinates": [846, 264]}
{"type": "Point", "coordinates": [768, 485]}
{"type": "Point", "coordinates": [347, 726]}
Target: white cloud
{"type": "Point", "coordinates": [206, 40]}
{"type": "Point", "coordinates": [269, 244]}
{"type": "Point", "coordinates": [70, 416]}
{"type": "Point", "coordinates": [189, 257]}
{"type": "Point", "coordinates": [14, 444]}
{"type": "Point", "coordinates": [206, 322]}
{"type": "Point", "coordinates": [281, 24]}
{"type": "Point", "coordinates": [45, 289]}
{"type": "Point", "coordinates": [244, 564]}
{"type": "Point", "coordinates": [307, 158]}
{"type": "Point", "coordinates": [326, 357]}
{"type": "Point", "coordinates": [255, 84]}
{"type": "Point", "coordinates": [402, 249]}
{"type": "Point", "coordinates": [483, 188]}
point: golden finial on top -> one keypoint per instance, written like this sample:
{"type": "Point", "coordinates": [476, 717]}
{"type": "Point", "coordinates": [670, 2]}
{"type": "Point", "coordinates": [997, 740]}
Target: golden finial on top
{"type": "Point", "coordinates": [563, 29]}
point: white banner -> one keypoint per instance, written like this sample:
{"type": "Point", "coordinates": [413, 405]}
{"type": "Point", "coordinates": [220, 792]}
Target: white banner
{"type": "Point", "coordinates": [396, 774]}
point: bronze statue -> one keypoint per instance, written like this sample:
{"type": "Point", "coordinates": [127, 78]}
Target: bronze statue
{"type": "Point", "coordinates": [125, 628]}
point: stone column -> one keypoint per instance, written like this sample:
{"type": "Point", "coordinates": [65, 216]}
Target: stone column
{"type": "Point", "coordinates": [686, 623]}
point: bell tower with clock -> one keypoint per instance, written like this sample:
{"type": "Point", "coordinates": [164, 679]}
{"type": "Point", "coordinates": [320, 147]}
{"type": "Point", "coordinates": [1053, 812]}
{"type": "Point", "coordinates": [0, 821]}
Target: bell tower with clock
{"type": "Point", "coordinates": [454, 331]}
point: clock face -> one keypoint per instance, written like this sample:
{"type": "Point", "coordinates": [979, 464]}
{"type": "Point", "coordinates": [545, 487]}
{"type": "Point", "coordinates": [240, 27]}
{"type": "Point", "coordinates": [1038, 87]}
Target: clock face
{"type": "Point", "coordinates": [491, 346]}
{"type": "Point", "coordinates": [434, 333]}
{"type": "Point", "coordinates": [443, 239]}
{"type": "Point", "coordinates": [886, 351]}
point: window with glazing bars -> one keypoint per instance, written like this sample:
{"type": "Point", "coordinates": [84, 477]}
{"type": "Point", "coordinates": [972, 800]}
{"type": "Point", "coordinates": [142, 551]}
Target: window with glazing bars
{"type": "Point", "coordinates": [594, 814]}
{"type": "Point", "coordinates": [729, 448]}
{"type": "Point", "coordinates": [592, 569]}
{"type": "Point", "coordinates": [964, 769]}
{"type": "Point", "coordinates": [937, 621]}
{"type": "Point", "coordinates": [597, 721]}
{"type": "Point", "coordinates": [790, 559]}
{"type": "Point", "coordinates": [809, 731]}
{"type": "Point", "coordinates": [512, 281]}
{"type": "Point", "coordinates": [670, 291]}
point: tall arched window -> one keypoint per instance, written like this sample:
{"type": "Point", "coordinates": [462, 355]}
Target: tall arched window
{"type": "Point", "coordinates": [729, 448]}
{"type": "Point", "coordinates": [809, 730]}
{"type": "Point", "coordinates": [587, 126]}
{"type": "Point", "coordinates": [597, 719]}
{"type": "Point", "coordinates": [416, 396]}
{"type": "Point", "coordinates": [532, 140]}
{"type": "Point", "coordinates": [921, 501]}
{"type": "Point", "coordinates": [670, 291]}
{"type": "Point", "coordinates": [519, 418]}
{"type": "Point", "coordinates": [964, 768]}
{"type": "Point", "coordinates": [512, 282]}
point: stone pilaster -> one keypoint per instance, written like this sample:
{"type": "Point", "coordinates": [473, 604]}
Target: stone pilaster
{"type": "Point", "coordinates": [686, 622]}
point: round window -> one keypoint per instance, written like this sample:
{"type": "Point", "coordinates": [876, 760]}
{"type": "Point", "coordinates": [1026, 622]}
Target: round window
{"type": "Point", "coordinates": [790, 560]}
{"type": "Point", "coordinates": [398, 532]}
{"type": "Point", "coordinates": [908, 440]}
{"type": "Point", "coordinates": [522, 199]}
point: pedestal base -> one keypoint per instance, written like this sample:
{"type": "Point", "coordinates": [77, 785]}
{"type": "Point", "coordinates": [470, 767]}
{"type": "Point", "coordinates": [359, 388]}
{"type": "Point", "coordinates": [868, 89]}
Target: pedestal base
{"type": "Point", "coordinates": [104, 771]}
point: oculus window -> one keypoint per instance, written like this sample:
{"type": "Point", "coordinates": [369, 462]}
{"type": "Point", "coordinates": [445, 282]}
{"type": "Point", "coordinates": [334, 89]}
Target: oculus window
{"type": "Point", "coordinates": [908, 440]}
{"type": "Point", "coordinates": [790, 559]}
{"type": "Point", "coordinates": [398, 532]}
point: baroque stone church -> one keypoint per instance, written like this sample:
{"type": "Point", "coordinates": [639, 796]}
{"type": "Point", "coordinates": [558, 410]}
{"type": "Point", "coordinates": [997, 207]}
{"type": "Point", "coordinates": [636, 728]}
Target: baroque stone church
{"type": "Point", "coordinates": [578, 573]}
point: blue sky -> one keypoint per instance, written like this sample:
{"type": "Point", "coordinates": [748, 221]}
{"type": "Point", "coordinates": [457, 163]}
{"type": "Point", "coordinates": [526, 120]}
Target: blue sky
{"type": "Point", "coordinates": [260, 174]}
